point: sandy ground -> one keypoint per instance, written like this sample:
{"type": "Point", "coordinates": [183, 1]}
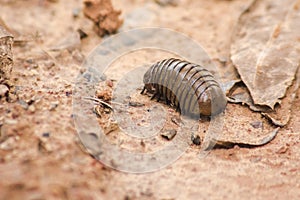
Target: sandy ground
{"type": "Point", "coordinates": [40, 154]}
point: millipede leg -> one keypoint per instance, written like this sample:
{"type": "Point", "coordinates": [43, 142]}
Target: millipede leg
{"type": "Point", "coordinates": [143, 90]}
{"type": "Point", "coordinates": [158, 97]}
{"type": "Point", "coordinates": [154, 95]}
{"type": "Point", "coordinates": [178, 109]}
{"type": "Point", "coordinates": [168, 102]}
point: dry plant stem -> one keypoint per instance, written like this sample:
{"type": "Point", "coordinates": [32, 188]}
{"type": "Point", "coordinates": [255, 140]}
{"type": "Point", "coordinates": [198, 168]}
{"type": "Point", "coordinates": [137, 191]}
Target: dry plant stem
{"type": "Point", "coordinates": [99, 101]}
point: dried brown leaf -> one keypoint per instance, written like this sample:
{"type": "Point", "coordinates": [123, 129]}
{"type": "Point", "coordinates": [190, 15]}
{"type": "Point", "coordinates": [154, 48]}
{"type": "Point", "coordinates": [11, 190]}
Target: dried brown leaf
{"type": "Point", "coordinates": [281, 114]}
{"type": "Point", "coordinates": [234, 127]}
{"type": "Point", "coordinates": [226, 70]}
{"type": "Point", "coordinates": [238, 128]}
{"type": "Point", "coordinates": [266, 49]}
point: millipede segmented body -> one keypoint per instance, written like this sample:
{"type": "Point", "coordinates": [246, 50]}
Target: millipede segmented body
{"type": "Point", "coordinates": [189, 87]}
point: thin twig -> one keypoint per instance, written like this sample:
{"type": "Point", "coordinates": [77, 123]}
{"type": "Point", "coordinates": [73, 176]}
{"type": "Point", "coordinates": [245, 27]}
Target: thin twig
{"type": "Point", "coordinates": [99, 101]}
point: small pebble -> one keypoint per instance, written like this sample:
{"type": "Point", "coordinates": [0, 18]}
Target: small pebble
{"type": "Point", "coordinates": [136, 104]}
{"type": "Point", "coordinates": [3, 90]}
{"type": "Point", "coordinates": [257, 124]}
{"type": "Point", "coordinates": [53, 106]}
{"type": "Point", "coordinates": [46, 134]}
{"type": "Point", "coordinates": [167, 2]}
{"type": "Point", "coordinates": [255, 159]}
{"type": "Point", "coordinates": [24, 104]}
{"type": "Point", "coordinates": [11, 121]}
{"type": "Point", "coordinates": [68, 93]}
{"type": "Point", "coordinates": [76, 12]}
{"type": "Point", "coordinates": [196, 139]}
{"type": "Point", "coordinates": [49, 64]}
{"type": "Point", "coordinates": [82, 34]}
{"type": "Point", "coordinates": [169, 135]}
{"type": "Point", "coordinates": [109, 83]}
{"type": "Point", "coordinates": [8, 144]}
{"type": "Point", "coordinates": [31, 108]}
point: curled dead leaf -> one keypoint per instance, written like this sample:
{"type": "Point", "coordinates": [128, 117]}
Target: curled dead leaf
{"type": "Point", "coordinates": [266, 50]}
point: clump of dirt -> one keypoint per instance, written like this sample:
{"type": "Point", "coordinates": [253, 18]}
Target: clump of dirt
{"type": "Point", "coordinates": [105, 17]}
{"type": "Point", "coordinates": [105, 91]}
{"type": "Point", "coordinates": [6, 60]}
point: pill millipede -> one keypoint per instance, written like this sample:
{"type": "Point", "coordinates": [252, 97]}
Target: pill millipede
{"type": "Point", "coordinates": [188, 87]}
